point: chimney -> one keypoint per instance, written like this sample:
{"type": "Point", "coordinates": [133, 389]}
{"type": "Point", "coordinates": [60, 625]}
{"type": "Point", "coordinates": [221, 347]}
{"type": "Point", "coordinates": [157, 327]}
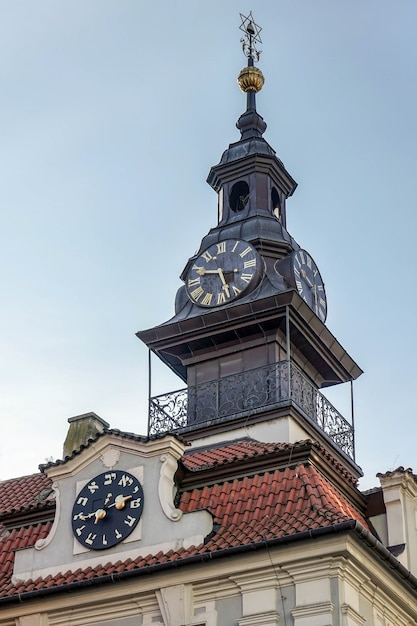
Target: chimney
{"type": "Point", "coordinates": [82, 429]}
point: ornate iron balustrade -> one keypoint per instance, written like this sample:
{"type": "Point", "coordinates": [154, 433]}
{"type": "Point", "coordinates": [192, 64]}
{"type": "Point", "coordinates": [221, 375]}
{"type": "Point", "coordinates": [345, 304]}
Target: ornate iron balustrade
{"type": "Point", "coordinates": [245, 392]}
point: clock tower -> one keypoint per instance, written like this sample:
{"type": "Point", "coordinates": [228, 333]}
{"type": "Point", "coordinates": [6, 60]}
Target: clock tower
{"type": "Point", "coordinates": [248, 337]}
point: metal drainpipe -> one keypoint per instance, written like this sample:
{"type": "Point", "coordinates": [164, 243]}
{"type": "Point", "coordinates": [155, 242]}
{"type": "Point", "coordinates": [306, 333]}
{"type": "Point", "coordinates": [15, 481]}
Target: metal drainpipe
{"type": "Point", "coordinates": [352, 418]}
{"type": "Point", "coordinates": [288, 347]}
{"type": "Point", "coordinates": [149, 388]}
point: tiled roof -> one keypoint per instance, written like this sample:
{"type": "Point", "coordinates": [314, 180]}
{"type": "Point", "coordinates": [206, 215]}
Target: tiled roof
{"type": "Point", "coordinates": [245, 449]}
{"type": "Point", "coordinates": [236, 451]}
{"type": "Point", "coordinates": [11, 540]}
{"type": "Point", "coordinates": [269, 506]}
{"type": "Point", "coordinates": [27, 492]}
{"type": "Point", "coordinates": [399, 470]}
{"type": "Point", "coordinates": [107, 431]}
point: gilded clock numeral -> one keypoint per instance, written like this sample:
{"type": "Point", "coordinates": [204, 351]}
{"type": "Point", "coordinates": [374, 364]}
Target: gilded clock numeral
{"type": "Point", "coordinates": [194, 281]}
{"type": "Point", "coordinates": [245, 251]}
{"type": "Point", "coordinates": [207, 299]}
{"type": "Point", "coordinates": [299, 285]}
{"type": "Point", "coordinates": [125, 481]}
{"type": "Point", "coordinates": [79, 530]}
{"type": "Point", "coordinates": [236, 291]}
{"type": "Point", "coordinates": [118, 533]}
{"type": "Point", "coordinates": [297, 272]}
{"type": "Point", "coordinates": [250, 263]}
{"type": "Point", "coordinates": [235, 246]}
{"type": "Point", "coordinates": [83, 501]}
{"type": "Point", "coordinates": [109, 478]}
{"type": "Point", "coordinates": [92, 487]}
{"type": "Point", "coordinates": [197, 293]}
{"type": "Point", "coordinates": [134, 504]}
{"type": "Point", "coordinates": [104, 540]}
{"type": "Point", "coordinates": [246, 277]}
{"type": "Point", "coordinates": [221, 247]}
{"type": "Point", "coordinates": [320, 288]}
{"type": "Point", "coordinates": [301, 253]}
{"type": "Point", "coordinates": [90, 539]}
{"type": "Point", "coordinates": [309, 261]}
{"type": "Point", "coordinates": [129, 521]}
{"type": "Point", "coordinates": [322, 302]}
{"type": "Point", "coordinates": [207, 256]}
{"type": "Point", "coordinates": [221, 298]}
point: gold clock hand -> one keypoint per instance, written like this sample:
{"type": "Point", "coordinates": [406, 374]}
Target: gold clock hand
{"type": "Point", "coordinates": [203, 271]}
{"type": "Point", "coordinates": [100, 514]}
{"type": "Point", "coordinates": [120, 502]}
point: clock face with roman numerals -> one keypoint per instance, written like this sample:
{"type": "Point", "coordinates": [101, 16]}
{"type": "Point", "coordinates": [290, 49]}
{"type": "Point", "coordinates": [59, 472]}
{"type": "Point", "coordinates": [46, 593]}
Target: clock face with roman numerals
{"type": "Point", "coordinates": [224, 272]}
{"type": "Point", "coordinates": [309, 283]}
{"type": "Point", "coordinates": [107, 509]}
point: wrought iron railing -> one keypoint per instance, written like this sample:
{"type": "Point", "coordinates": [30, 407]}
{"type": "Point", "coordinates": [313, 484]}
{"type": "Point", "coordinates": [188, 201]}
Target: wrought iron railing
{"type": "Point", "coordinates": [246, 392]}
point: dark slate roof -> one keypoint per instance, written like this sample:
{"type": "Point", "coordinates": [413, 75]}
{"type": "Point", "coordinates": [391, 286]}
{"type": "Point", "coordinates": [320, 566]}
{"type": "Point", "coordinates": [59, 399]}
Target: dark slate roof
{"type": "Point", "coordinates": [249, 511]}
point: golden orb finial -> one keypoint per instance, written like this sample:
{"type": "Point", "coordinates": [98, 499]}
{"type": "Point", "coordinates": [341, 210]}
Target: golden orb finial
{"type": "Point", "coordinates": [250, 79]}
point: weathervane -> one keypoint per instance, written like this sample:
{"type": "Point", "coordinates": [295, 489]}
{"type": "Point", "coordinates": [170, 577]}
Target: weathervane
{"type": "Point", "coordinates": [252, 36]}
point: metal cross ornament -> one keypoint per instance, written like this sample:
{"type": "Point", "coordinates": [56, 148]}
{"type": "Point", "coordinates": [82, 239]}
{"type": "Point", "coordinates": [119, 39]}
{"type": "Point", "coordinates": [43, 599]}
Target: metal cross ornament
{"type": "Point", "coordinates": [252, 36]}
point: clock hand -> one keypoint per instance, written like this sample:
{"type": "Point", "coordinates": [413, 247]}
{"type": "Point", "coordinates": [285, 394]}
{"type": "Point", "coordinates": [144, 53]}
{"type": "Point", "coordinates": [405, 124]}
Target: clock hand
{"type": "Point", "coordinates": [306, 278]}
{"type": "Point", "coordinates": [316, 308]}
{"type": "Point", "coordinates": [224, 283]}
{"type": "Point", "coordinates": [120, 502]}
{"type": "Point", "coordinates": [100, 514]}
{"type": "Point", "coordinates": [202, 270]}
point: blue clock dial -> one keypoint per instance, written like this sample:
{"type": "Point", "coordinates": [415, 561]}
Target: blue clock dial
{"type": "Point", "coordinates": [107, 509]}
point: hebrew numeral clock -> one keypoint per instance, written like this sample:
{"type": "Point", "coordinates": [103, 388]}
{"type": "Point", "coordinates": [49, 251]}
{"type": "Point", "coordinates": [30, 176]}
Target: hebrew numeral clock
{"type": "Point", "coordinates": [107, 509]}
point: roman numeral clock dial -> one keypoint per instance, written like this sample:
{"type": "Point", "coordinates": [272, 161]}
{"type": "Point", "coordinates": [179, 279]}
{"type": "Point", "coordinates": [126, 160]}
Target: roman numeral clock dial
{"type": "Point", "coordinates": [225, 271]}
{"type": "Point", "coordinates": [107, 510]}
{"type": "Point", "coordinates": [307, 280]}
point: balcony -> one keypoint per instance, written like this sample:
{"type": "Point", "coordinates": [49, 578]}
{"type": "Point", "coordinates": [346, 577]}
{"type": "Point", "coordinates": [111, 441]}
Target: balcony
{"type": "Point", "coordinates": [241, 394]}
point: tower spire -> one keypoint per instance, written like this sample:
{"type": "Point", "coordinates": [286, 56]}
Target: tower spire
{"type": "Point", "coordinates": [250, 79]}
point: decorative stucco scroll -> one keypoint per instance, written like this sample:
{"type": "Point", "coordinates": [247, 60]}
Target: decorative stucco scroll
{"type": "Point", "coordinates": [166, 487]}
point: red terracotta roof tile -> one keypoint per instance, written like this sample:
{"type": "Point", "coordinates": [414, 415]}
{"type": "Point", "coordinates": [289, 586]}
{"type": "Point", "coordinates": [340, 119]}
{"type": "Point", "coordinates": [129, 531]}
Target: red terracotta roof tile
{"type": "Point", "coordinates": [27, 492]}
{"type": "Point", "coordinates": [243, 449]}
{"type": "Point", "coordinates": [276, 503]}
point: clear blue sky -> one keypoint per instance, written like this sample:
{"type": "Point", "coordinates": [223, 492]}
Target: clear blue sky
{"type": "Point", "coordinates": [112, 113]}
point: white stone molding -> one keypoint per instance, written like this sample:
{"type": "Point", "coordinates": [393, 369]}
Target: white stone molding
{"type": "Point", "coordinates": [320, 614]}
{"type": "Point", "coordinates": [152, 619]}
{"type": "Point", "coordinates": [166, 487]}
{"type": "Point", "coordinates": [350, 617]}
{"type": "Point", "coordinates": [268, 618]}
{"type": "Point", "coordinates": [259, 598]}
{"type": "Point", "coordinates": [36, 619]}
{"type": "Point", "coordinates": [205, 615]}
{"type": "Point", "coordinates": [176, 604]}
{"type": "Point", "coordinates": [43, 543]}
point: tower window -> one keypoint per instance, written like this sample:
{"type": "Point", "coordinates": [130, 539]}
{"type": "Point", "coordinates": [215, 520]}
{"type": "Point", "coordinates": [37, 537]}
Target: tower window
{"type": "Point", "coordinates": [276, 204]}
{"type": "Point", "coordinates": [239, 196]}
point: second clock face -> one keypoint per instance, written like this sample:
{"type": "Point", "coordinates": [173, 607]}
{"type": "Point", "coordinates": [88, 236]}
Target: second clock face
{"type": "Point", "coordinates": [309, 283]}
{"type": "Point", "coordinates": [107, 509]}
{"type": "Point", "coordinates": [225, 271]}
